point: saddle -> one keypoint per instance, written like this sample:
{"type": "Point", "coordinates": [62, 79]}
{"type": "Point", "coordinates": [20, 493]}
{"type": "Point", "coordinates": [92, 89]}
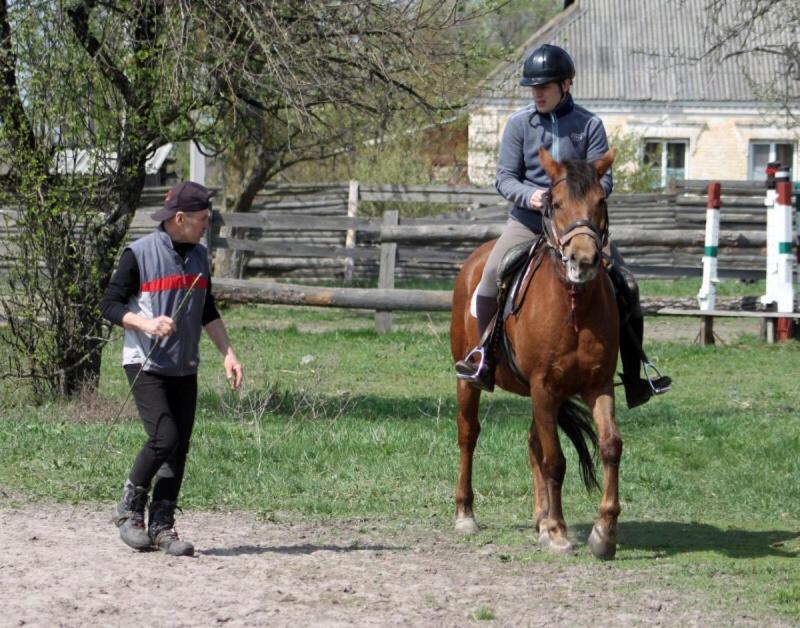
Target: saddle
{"type": "Point", "coordinates": [513, 278]}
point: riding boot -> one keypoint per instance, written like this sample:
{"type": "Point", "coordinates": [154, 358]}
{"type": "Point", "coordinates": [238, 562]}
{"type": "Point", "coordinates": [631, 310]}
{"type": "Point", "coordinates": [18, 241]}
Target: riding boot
{"type": "Point", "coordinates": [162, 530]}
{"type": "Point", "coordinates": [477, 367]}
{"type": "Point", "coordinates": [637, 389]}
{"type": "Point", "coordinates": [129, 516]}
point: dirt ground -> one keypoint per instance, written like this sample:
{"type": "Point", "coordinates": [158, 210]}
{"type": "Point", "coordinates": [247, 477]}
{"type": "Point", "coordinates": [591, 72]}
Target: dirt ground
{"type": "Point", "coordinates": [64, 565]}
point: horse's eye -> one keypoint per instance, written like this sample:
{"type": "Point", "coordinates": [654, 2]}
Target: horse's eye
{"type": "Point", "coordinates": [556, 205]}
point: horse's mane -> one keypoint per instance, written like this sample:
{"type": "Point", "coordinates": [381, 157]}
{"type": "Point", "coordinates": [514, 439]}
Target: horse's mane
{"type": "Point", "coordinates": [581, 175]}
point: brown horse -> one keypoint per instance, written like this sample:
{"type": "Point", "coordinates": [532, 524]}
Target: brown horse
{"type": "Point", "coordinates": [565, 339]}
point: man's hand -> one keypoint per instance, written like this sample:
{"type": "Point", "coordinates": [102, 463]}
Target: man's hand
{"type": "Point", "coordinates": [233, 370]}
{"type": "Point", "coordinates": [160, 327]}
{"type": "Point", "coordinates": [537, 199]}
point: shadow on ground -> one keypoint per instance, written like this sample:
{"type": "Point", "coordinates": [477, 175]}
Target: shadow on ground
{"type": "Point", "coordinates": [671, 538]}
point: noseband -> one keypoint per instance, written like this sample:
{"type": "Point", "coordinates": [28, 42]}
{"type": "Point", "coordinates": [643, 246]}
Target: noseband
{"type": "Point", "coordinates": [579, 227]}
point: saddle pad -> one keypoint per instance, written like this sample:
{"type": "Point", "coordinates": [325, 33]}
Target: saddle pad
{"type": "Point", "coordinates": [473, 305]}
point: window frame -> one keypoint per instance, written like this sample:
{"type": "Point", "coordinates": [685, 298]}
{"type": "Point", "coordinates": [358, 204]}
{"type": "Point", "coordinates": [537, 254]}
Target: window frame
{"type": "Point", "coordinates": [773, 156]}
{"type": "Point", "coordinates": [664, 142]}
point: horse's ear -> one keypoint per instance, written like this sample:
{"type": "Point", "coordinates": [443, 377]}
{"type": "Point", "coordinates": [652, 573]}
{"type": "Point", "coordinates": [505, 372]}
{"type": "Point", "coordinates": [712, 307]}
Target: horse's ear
{"type": "Point", "coordinates": [604, 163]}
{"type": "Point", "coordinates": [553, 169]}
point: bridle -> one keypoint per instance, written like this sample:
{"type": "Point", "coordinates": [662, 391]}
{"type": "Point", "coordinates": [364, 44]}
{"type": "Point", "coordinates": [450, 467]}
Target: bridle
{"type": "Point", "coordinates": [558, 241]}
{"type": "Point", "coordinates": [579, 227]}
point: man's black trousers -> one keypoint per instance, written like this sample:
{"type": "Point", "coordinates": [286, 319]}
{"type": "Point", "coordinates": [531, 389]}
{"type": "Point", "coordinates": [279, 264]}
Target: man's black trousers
{"type": "Point", "coordinates": [166, 406]}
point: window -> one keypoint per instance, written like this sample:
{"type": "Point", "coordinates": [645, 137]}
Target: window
{"type": "Point", "coordinates": [761, 153]}
{"type": "Point", "coordinates": [667, 158]}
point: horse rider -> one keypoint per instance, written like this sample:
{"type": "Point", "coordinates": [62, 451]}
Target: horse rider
{"type": "Point", "coordinates": [161, 295]}
{"type": "Point", "coordinates": [567, 131]}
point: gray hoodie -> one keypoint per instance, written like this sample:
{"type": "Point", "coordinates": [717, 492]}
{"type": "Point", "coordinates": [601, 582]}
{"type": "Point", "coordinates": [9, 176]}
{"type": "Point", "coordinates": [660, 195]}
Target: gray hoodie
{"type": "Point", "coordinates": [568, 132]}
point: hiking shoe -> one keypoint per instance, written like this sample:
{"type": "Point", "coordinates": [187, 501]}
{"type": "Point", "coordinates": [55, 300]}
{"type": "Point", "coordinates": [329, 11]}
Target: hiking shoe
{"type": "Point", "coordinates": [128, 516]}
{"type": "Point", "coordinates": [163, 534]}
{"type": "Point", "coordinates": [167, 540]}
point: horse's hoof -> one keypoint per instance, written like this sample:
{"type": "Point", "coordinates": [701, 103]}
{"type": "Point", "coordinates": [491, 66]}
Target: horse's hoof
{"type": "Point", "coordinates": [467, 525]}
{"type": "Point", "coordinates": [558, 545]}
{"type": "Point", "coordinates": [602, 547]}
{"type": "Point", "coordinates": [544, 540]}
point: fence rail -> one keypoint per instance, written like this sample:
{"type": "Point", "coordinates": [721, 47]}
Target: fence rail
{"type": "Point", "coordinates": [326, 232]}
{"type": "Point", "coordinates": [318, 232]}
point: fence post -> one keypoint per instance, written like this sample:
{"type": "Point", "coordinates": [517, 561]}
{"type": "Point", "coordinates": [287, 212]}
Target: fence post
{"type": "Point", "coordinates": [350, 237]}
{"type": "Point", "coordinates": [208, 237]}
{"type": "Point", "coordinates": [383, 320]}
{"type": "Point", "coordinates": [197, 163]}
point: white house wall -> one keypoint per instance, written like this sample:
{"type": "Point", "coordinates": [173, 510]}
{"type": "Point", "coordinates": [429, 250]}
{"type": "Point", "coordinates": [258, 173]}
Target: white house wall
{"type": "Point", "coordinates": [719, 136]}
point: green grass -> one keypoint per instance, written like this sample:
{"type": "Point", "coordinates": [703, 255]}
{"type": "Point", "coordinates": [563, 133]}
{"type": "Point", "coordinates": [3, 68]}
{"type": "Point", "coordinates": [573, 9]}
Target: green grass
{"type": "Point", "coordinates": [691, 286]}
{"type": "Point", "coordinates": [345, 424]}
{"type": "Point", "coordinates": [484, 613]}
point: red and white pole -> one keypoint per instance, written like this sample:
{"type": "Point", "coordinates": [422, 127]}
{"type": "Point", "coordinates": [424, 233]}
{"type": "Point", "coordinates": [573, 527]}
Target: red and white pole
{"type": "Point", "coordinates": [785, 258]}
{"type": "Point", "coordinates": [780, 260]}
{"type": "Point", "coordinates": [706, 298]}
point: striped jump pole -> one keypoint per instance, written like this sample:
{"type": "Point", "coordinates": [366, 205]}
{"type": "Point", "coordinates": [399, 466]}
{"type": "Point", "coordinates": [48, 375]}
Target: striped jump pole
{"type": "Point", "coordinates": [780, 288]}
{"type": "Point", "coordinates": [797, 225]}
{"type": "Point", "coordinates": [706, 298]}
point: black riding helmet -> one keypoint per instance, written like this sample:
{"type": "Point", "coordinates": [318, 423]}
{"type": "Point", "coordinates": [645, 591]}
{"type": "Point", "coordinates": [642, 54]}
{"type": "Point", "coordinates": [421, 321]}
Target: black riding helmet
{"type": "Point", "coordinates": [547, 64]}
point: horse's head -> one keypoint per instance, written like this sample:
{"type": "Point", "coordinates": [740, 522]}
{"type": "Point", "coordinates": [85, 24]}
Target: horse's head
{"type": "Point", "coordinates": [575, 213]}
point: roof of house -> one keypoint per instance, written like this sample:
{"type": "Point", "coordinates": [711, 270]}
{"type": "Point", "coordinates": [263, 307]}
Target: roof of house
{"type": "Point", "coordinates": [641, 50]}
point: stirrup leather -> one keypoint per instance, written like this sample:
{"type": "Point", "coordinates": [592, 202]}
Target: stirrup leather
{"type": "Point", "coordinates": [659, 384]}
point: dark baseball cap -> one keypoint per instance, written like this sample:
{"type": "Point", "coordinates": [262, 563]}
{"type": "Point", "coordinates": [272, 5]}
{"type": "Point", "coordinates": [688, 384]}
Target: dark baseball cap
{"type": "Point", "coordinates": [187, 196]}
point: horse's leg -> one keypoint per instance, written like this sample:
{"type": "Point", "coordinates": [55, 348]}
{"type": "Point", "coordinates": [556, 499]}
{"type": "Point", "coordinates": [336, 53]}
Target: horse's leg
{"type": "Point", "coordinates": [552, 528]}
{"type": "Point", "coordinates": [468, 430]}
{"type": "Point", "coordinates": [540, 503]}
{"type": "Point", "coordinates": [603, 538]}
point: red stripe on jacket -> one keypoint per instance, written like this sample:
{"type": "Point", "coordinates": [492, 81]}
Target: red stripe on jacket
{"type": "Point", "coordinates": [174, 282]}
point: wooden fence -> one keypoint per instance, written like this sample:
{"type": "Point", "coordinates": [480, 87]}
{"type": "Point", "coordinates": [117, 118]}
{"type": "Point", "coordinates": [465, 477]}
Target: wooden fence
{"type": "Point", "coordinates": [322, 233]}
{"type": "Point", "coordinates": [337, 232]}
{"type": "Point", "coordinates": [359, 232]}
{"type": "Point", "coordinates": [326, 237]}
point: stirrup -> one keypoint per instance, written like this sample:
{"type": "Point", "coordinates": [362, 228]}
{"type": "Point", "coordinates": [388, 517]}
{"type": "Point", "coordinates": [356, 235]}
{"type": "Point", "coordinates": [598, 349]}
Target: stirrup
{"type": "Point", "coordinates": [659, 383]}
{"type": "Point", "coordinates": [478, 374]}
{"type": "Point", "coordinates": [480, 351]}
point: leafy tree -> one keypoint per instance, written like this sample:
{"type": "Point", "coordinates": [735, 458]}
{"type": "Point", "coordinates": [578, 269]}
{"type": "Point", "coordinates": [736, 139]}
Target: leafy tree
{"type": "Point", "coordinates": [767, 30]}
{"type": "Point", "coordinates": [311, 81]}
{"type": "Point", "coordinates": [291, 81]}
{"type": "Point", "coordinates": [631, 174]}
{"type": "Point", "coordinates": [72, 76]}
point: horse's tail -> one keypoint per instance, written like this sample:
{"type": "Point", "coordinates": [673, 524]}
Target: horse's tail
{"type": "Point", "coordinates": [575, 419]}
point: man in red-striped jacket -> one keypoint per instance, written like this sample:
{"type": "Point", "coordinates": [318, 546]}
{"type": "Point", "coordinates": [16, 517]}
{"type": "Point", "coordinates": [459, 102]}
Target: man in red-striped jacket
{"type": "Point", "coordinates": [161, 295]}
